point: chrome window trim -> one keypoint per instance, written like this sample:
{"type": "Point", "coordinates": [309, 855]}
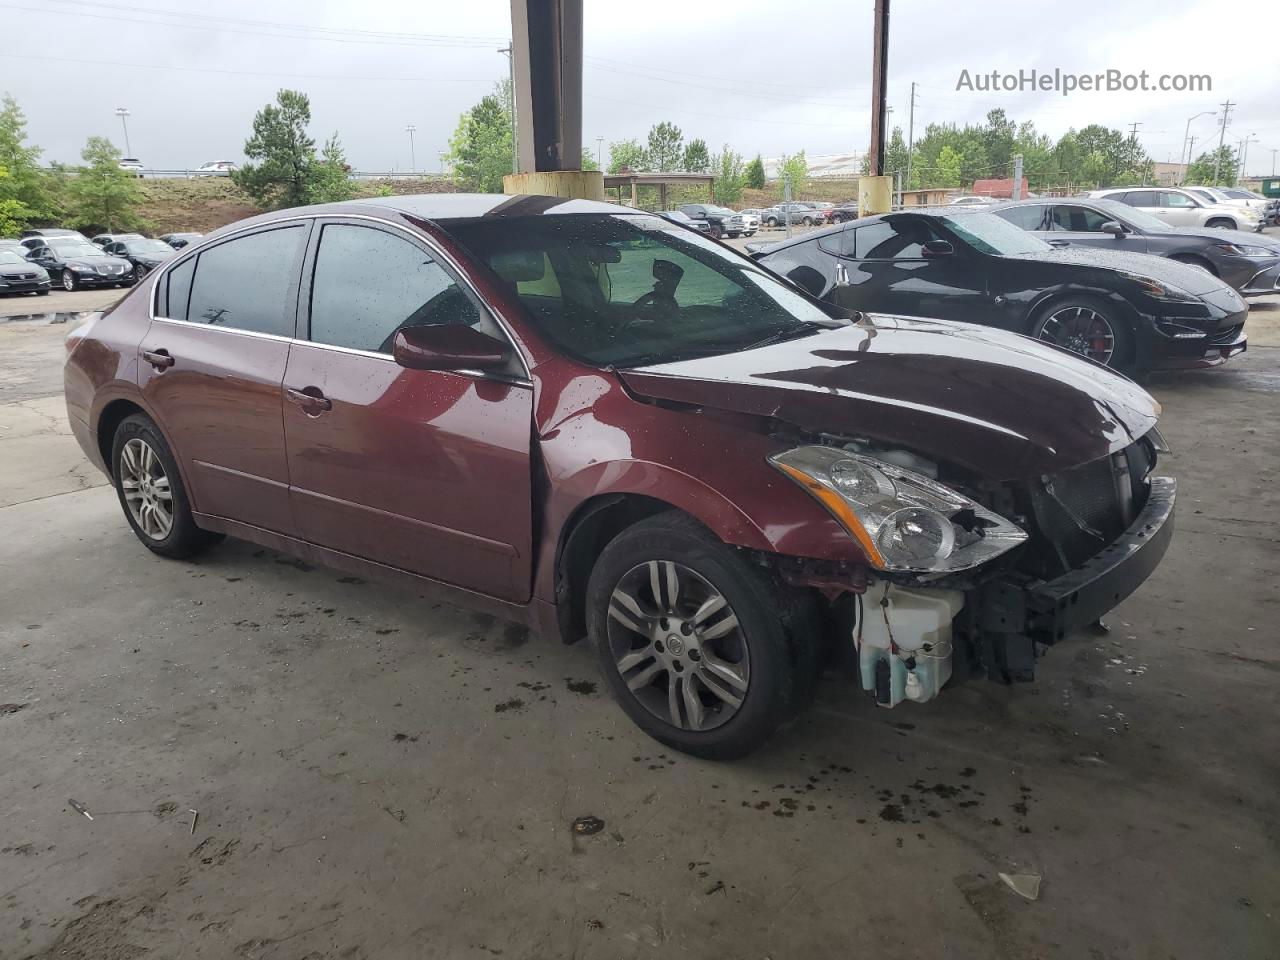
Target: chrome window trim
{"type": "Point", "coordinates": [236, 330]}
{"type": "Point", "coordinates": [161, 272]}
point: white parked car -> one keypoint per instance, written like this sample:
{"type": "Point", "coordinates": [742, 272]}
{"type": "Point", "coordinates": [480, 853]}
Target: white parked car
{"type": "Point", "coordinates": [971, 201]}
{"type": "Point", "coordinates": [131, 164]}
{"type": "Point", "coordinates": [1231, 197]}
{"type": "Point", "coordinates": [750, 222]}
{"type": "Point", "coordinates": [215, 168]}
{"type": "Point", "coordinates": [1184, 207]}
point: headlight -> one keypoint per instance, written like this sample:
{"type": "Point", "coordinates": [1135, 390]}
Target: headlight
{"type": "Point", "coordinates": [1161, 290]}
{"type": "Point", "coordinates": [81, 268]}
{"type": "Point", "coordinates": [1247, 250]}
{"type": "Point", "coordinates": [903, 521]}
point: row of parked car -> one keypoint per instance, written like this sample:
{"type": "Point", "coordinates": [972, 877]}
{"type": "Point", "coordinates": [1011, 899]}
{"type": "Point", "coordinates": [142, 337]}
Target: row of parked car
{"type": "Point", "coordinates": [48, 256]}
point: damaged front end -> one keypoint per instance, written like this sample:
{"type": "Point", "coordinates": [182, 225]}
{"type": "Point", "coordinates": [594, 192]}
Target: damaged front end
{"type": "Point", "coordinates": [980, 577]}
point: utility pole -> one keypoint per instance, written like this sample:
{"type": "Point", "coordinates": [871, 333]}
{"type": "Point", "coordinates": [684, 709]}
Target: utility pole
{"type": "Point", "coordinates": [1190, 153]}
{"type": "Point", "coordinates": [413, 157]}
{"type": "Point", "coordinates": [511, 79]}
{"type": "Point", "coordinates": [1186, 137]}
{"type": "Point", "coordinates": [1222, 136]}
{"type": "Point", "coordinates": [1017, 176]}
{"type": "Point", "coordinates": [123, 112]}
{"type": "Point", "coordinates": [600, 152]}
{"type": "Point", "coordinates": [1273, 161]}
{"type": "Point", "coordinates": [911, 129]}
{"type": "Point", "coordinates": [879, 82]}
{"type": "Point", "coordinates": [1244, 154]}
{"type": "Point", "coordinates": [1133, 130]}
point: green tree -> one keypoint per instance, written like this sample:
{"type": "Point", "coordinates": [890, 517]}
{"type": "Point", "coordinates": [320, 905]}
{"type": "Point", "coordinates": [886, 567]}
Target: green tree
{"type": "Point", "coordinates": [14, 214]}
{"type": "Point", "coordinates": [26, 192]}
{"type": "Point", "coordinates": [480, 148]}
{"type": "Point", "coordinates": [793, 168]}
{"type": "Point", "coordinates": [753, 176]}
{"type": "Point", "coordinates": [895, 154]}
{"type": "Point", "coordinates": [330, 179]}
{"type": "Point", "coordinates": [950, 166]}
{"type": "Point", "coordinates": [729, 172]}
{"type": "Point", "coordinates": [588, 161]}
{"type": "Point", "coordinates": [1201, 171]}
{"type": "Point", "coordinates": [101, 194]}
{"type": "Point", "coordinates": [998, 136]}
{"type": "Point", "coordinates": [629, 154]}
{"type": "Point", "coordinates": [697, 158]}
{"type": "Point", "coordinates": [284, 152]}
{"type": "Point", "coordinates": [666, 147]}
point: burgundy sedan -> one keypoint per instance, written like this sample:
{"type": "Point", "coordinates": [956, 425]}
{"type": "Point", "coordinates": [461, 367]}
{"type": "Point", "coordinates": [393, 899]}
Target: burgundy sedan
{"type": "Point", "coordinates": [603, 424]}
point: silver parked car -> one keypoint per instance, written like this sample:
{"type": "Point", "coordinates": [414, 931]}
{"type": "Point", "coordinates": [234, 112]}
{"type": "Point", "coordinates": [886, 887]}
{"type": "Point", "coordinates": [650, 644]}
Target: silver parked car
{"type": "Point", "coordinates": [1180, 207]}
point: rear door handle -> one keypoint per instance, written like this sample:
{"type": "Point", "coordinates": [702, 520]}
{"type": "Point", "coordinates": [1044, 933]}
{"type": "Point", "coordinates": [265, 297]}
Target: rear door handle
{"type": "Point", "coordinates": [160, 359]}
{"type": "Point", "coordinates": [311, 399]}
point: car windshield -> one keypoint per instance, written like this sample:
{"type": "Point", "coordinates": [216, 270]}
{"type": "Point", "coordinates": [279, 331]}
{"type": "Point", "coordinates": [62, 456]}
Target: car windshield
{"type": "Point", "coordinates": [143, 247]}
{"type": "Point", "coordinates": [720, 211]}
{"type": "Point", "coordinates": [988, 233]}
{"type": "Point", "coordinates": [627, 290]}
{"type": "Point", "coordinates": [1132, 215]}
{"type": "Point", "coordinates": [72, 247]}
{"type": "Point", "coordinates": [8, 256]}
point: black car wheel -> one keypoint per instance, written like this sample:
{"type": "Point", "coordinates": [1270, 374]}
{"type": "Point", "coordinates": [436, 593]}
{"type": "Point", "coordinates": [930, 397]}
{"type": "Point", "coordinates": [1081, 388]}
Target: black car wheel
{"type": "Point", "coordinates": [771, 222]}
{"type": "Point", "coordinates": [151, 493]}
{"type": "Point", "coordinates": [42, 293]}
{"type": "Point", "coordinates": [716, 232]}
{"type": "Point", "coordinates": [1086, 327]}
{"type": "Point", "coordinates": [1222, 223]}
{"type": "Point", "coordinates": [807, 221]}
{"type": "Point", "coordinates": [690, 640]}
{"type": "Point", "coordinates": [69, 281]}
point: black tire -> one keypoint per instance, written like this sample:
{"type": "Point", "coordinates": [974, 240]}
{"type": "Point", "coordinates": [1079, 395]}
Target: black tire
{"type": "Point", "coordinates": [1194, 261]}
{"type": "Point", "coordinates": [778, 682]}
{"type": "Point", "coordinates": [771, 222]}
{"type": "Point", "coordinates": [1222, 223]}
{"type": "Point", "coordinates": [716, 232]}
{"type": "Point", "coordinates": [42, 293]}
{"type": "Point", "coordinates": [69, 281]}
{"type": "Point", "coordinates": [807, 221]}
{"type": "Point", "coordinates": [1122, 356]}
{"type": "Point", "coordinates": [184, 538]}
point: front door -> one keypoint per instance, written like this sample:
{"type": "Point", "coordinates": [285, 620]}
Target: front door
{"type": "Point", "coordinates": [1082, 226]}
{"type": "Point", "coordinates": [211, 365]}
{"type": "Point", "coordinates": [422, 470]}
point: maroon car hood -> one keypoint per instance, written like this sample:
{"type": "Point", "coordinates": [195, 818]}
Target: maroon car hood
{"type": "Point", "coordinates": [1001, 405]}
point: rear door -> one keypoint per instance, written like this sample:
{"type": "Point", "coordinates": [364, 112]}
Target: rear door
{"type": "Point", "coordinates": [211, 366]}
{"type": "Point", "coordinates": [1145, 200]}
{"type": "Point", "coordinates": [1178, 209]}
{"type": "Point", "coordinates": [423, 470]}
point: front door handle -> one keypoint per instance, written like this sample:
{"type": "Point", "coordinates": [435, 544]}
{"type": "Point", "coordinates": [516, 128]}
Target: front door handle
{"type": "Point", "coordinates": [160, 359]}
{"type": "Point", "coordinates": [311, 399]}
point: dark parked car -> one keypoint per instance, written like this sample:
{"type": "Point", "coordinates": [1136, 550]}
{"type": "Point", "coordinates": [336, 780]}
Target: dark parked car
{"type": "Point", "coordinates": [180, 240]}
{"type": "Point", "coordinates": [597, 423]}
{"type": "Point", "coordinates": [1131, 311]}
{"type": "Point", "coordinates": [144, 254]}
{"type": "Point", "coordinates": [103, 239]}
{"type": "Point", "coordinates": [843, 213]}
{"type": "Point", "coordinates": [722, 221]}
{"type": "Point", "coordinates": [74, 262]}
{"type": "Point", "coordinates": [1245, 261]}
{"type": "Point", "coordinates": [678, 216]}
{"type": "Point", "coordinates": [19, 275]}
{"type": "Point", "coordinates": [51, 232]}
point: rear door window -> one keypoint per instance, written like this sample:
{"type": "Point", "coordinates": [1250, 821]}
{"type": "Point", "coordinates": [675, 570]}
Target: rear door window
{"type": "Point", "coordinates": [177, 290]}
{"type": "Point", "coordinates": [245, 283]}
{"type": "Point", "coordinates": [1028, 218]}
{"type": "Point", "coordinates": [1141, 198]}
{"type": "Point", "coordinates": [1077, 219]}
{"type": "Point", "coordinates": [901, 240]}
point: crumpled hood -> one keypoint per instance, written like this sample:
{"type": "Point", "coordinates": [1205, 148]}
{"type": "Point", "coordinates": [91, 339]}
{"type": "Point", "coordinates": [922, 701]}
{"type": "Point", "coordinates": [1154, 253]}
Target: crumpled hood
{"type": "Point", "coordinates": [1001, 405]}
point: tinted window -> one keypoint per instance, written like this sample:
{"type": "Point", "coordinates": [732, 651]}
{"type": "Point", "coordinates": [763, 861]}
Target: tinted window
{"type": "Point", "coordinates": [1028, 218]}
{"type": "Point", "coordinates": [245, 283]}
{"type": "Point", "coordinates": [901, 240]}
{"type": "Point", "coordinates": [1140, 198]}
{"type": "Point", "coordinates": [177, 290]}
{"type": "Point", "coordinates": [1170, 199]}
{"type": "Point", "coordinates": [368, 284]}
{"type": "Point", "coordinates": [1078, 219]}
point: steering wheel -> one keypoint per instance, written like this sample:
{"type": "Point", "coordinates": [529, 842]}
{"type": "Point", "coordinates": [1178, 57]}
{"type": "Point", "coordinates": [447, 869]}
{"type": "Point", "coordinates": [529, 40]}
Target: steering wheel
{"type": "Point", "coordinates": [654, 306]}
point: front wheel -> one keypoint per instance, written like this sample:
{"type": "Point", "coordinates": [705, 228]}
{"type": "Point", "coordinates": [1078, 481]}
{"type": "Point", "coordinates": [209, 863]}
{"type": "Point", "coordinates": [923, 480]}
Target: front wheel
{"type": "Point", "coordinates": [807, 221]}
{"type": "Point", "coordinates": [771, 222]}
{"type": "Point", "coordinates": [716, 232]}
{"type": "Point", "coordinates": [69, 282]}
{"type": "Point", "coordinates": [690, 639]}
{"type": "Point", "coordinates": [1222, 223]}
{"type": "Point", "coordinates": [151, 493]}
{"type": "Point", "coordinates": [1086, 327]}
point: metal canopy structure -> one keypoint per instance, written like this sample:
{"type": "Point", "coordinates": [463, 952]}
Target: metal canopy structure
{"type": "Point", "coordinates": [634, 180]}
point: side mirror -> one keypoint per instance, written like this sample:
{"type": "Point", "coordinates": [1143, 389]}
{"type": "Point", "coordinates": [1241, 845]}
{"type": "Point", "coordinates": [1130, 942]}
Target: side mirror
{"type": "Point", "coordinates": [1114, 228]}
{"type": "Point", "coordinates": [1059, 243]}
{"type": "Point", "coordinates": [937, 248]}
{"type": "Point", "coordinates": [448, 346]}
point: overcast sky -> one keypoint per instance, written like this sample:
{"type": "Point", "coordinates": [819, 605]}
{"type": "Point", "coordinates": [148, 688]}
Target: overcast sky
{"type": "Point", "coordinates": [761, 75]}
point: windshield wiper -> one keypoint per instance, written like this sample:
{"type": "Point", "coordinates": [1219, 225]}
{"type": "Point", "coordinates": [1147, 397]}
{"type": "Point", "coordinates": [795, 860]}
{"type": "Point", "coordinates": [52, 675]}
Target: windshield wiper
{"type": "Point", "coordinates": [780, 336]}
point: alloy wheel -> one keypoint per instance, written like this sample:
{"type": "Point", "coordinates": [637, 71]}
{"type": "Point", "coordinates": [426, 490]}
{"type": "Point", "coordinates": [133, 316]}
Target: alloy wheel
{"type": "Point", "coordinates": [68, 280]}
{"type": "Point", "coordinates": [1081, 330]}
{"type": "Point", "coordinates": [146, 489]}
{"type": "Point", "coordinates": [678, 646]}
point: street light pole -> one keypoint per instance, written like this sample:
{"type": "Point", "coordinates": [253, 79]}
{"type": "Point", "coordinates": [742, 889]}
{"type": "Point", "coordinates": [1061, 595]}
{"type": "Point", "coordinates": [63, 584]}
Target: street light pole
{"type": "Point", "coordinates": [1186, 138]}
{"type": "Point", "coordinates": [413, 157]}
{"type": "Point", "coordinates": [123, 112]}
{"type": "Point", "coordinates": [511, 80]}
{"type": "Point", "coordinates": [600, 152]}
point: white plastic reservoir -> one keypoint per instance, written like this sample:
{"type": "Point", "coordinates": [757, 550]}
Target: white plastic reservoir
{"type": "Point", "coordinates": [909, 630]}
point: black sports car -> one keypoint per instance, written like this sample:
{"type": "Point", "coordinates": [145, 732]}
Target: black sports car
{"type": "Point", "coordinates": [1245, 261]}
{"type": "Point", "coordinates": [75, 262]}
{"type": "Point", "coordinates": [1130, 311]}
{"type": "Point", "coordinates": [21, 276]}
{"type": "Point", "coordinates": [144, 254]}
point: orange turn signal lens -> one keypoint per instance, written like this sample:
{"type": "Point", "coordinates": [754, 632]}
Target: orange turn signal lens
{"type": "Point", "coordinates": [839, 508]}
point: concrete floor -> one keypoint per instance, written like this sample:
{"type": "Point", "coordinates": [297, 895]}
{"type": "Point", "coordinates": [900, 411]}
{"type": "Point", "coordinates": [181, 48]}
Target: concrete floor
{"type": "Point", "coordinates": [379, 776]}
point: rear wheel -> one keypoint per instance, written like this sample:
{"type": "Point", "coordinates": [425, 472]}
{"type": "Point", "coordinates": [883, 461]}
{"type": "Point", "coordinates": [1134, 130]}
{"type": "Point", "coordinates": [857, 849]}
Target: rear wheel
{"type": "Point", "coordinates": [1087, 327]}
{"type": "Point", "coordinates": [807, 221]}
{"type": "Point", "coordinates": [1222, 223]}
{"type": "Point", "coordinates": [690, 639]}
{"type": "Point", "coordinates": [151, 493]}
{"type": "Point", "coordinates": [771, 222]}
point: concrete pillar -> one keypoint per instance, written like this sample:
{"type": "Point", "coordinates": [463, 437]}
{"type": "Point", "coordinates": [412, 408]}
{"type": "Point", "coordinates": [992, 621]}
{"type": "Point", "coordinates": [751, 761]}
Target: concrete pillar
{"type": "Point", "coordinates": [875, 195]}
